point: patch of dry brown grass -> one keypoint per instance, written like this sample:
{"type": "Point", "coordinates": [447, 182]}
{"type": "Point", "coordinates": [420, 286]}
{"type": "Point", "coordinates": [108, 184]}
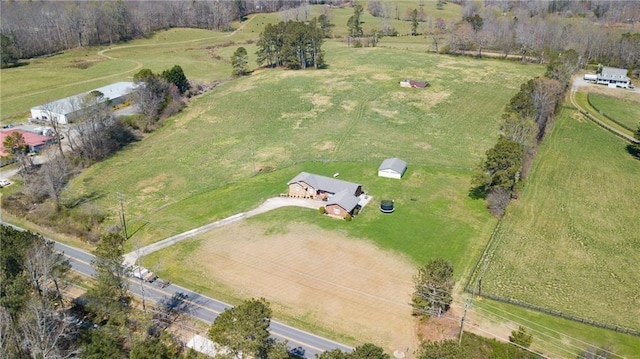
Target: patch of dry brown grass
{"type": "Point", "coordinates": [320, 275]}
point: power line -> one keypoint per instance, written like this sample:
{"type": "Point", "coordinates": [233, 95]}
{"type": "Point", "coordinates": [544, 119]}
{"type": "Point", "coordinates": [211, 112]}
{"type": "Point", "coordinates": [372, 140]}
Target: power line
{"type": "Point", "coordinates": [547, 341]}
{"type": "Point", "coordinates": [542, 326]}
{"type": "Point", "coordinates": [552, 342]}
{"type": "Point", "coordinates": [507, 340]}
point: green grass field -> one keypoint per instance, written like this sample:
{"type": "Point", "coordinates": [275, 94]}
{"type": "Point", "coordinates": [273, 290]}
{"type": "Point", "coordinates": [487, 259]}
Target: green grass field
{"type": "Point", "coordinates": [553, 336]}
{"type": "Point", "coordinates": [624, 111]}
{"type": "Point", "coordinates": [338, 115]}
{"type": "Point", "coordinates": [570, 226]}
{"type": "Point", "coordinates": [196, 51]}
{"type": "Point", "coordinates": [582, 99]}
{"type": "Point", "coordinates": [570, 242]}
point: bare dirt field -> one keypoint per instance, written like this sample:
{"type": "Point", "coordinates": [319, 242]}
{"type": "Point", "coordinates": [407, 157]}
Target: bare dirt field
{"type": "Point", "coordinates": [344, 284]}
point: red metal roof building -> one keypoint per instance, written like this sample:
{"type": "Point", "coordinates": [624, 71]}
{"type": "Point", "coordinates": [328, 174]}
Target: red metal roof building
{"type": "Point", "coordinates": [35, 141]}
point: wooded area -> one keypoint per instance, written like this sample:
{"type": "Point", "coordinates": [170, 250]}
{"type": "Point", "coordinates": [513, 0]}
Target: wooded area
{"type": "Point", "coordinates": [597, 30]}
{"type": "Point", "coordinates": [35, 28]}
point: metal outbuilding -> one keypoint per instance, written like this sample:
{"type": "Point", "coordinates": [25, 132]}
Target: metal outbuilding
{"type": "Point", "coordinates": [392, 168]}
{"type": "Point", "coordinates": [66, 110]}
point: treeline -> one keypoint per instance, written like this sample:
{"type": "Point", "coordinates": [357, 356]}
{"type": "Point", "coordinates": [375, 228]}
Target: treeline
{"type": "Point", "coordinates": [35, 28]}
{"type": "Point", "coordinates": [543, 30]}
{"type": "Point", "coordinates": [600, 31]}
{"type": "Point", "coordinates": [525, 122]}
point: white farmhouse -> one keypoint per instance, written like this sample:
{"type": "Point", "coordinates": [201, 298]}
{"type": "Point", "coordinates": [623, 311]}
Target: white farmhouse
{"type": "Point", "coordinates": [614, 77]}
{"type": "Point", "coordinates": [67, 109]}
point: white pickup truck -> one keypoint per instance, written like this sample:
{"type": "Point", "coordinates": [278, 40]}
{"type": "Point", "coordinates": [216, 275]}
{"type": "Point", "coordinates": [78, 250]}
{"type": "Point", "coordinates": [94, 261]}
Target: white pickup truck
{"type": "Point", "coordinates": [143, 273]}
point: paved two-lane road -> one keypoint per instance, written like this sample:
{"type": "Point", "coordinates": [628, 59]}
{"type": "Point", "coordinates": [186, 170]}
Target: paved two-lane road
{"type": "Point", "coordinates": [203, 307]}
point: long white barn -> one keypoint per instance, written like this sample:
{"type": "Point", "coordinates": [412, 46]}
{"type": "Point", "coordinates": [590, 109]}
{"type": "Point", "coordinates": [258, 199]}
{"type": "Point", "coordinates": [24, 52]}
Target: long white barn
{"type": "Point", "coordinates": [66, 110]}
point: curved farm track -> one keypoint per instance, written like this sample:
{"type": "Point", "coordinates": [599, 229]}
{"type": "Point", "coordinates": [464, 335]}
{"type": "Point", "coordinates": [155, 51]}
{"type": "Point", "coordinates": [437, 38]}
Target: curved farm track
{"type": "Point", "coordinates": [138, 64]}
{"type": "Point", "coordinates": [587, 112]}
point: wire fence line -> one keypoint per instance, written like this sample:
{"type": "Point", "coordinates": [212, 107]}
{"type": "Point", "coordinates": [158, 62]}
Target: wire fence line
{"type": "Point", "coordinates": [600, 123]}
{"type": "Point", "coordinates": [474, 283]}
{"type": "Point", "coordinates": [608, 116]}
{"type": "Point", "coordinates": [559, 314]}
{"type": "Point", "coordinates": [474, 286]}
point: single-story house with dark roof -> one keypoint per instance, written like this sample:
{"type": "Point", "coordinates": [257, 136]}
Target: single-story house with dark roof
{"type": "Point", "coordinates": [308, 185]}
{"type": "Point", "coordinates": [392, 168]}
{"type": "Point", "coordinates": [342, 197]}
{"type": "Point", "coordinates": [613, 76]}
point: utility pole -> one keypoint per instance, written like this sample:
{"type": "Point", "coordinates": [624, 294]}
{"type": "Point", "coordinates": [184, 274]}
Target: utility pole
{"type": "Point", "coordinates": [253, 161]}
{"type": "Point", "coordinates": [464, 316]}
{"type": "Point", "coordinates": [123, 222]}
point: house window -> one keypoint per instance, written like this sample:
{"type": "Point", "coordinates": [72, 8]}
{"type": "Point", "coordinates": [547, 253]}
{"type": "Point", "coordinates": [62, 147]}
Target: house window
{"type": "Point", "coordinates": [336, 210]}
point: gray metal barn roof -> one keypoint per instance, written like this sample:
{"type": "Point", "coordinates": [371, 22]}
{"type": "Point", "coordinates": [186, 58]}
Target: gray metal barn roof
{"type": "Point", "coordinates": [72, 103]}
{"type": "Point", "coordinates": [394, 164]}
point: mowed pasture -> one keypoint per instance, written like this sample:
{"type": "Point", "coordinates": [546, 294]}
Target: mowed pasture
{"type": "Point", "coordinates": [200, 166]}
{"type": "Point", "coordinates": [570, 242]}
{"type": "Point", "coordinates": [203, 55]}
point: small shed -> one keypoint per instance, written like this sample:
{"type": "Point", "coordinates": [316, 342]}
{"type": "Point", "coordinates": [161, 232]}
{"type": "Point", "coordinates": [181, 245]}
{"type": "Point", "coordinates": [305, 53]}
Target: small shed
{"type": "Point", "coordinates": [413, 83]}
{"type": "Point", "coordinates": [392, 168]}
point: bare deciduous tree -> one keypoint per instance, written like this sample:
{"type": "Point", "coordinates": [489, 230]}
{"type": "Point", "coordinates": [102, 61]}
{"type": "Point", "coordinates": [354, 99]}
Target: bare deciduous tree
{"type": "Point", "coordinates": [47, 332]}
{"type": "Point", "coordinates": [545, 96]}
{"type": "Point", "coordinates": [55, 173]}
{"type": "Point", "coordinates": [91, 141]}
{"type": "Point", "coordinates": [45, 270]}
{"type": "Point", "coordinates": [519, 129]}
{"type": "Point", "coordinates": [462, 38]}
{"type": "Point", "coordinates": [7, 334]}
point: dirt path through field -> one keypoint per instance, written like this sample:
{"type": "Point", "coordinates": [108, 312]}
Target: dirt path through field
{"type": "Point", "coordinates": [138, 64]}
{"type": "Point", "coordinates": [346, 285]}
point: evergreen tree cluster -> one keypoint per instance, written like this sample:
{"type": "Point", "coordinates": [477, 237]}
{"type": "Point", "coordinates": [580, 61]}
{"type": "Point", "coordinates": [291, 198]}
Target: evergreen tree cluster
{"type": "Point", "coordinates": [433, 287]}
{"type": "Point", "coordinates": [292, 44]}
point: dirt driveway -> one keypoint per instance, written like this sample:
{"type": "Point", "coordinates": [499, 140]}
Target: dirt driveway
{"type": "Point", "coordinates": [340, 283]}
